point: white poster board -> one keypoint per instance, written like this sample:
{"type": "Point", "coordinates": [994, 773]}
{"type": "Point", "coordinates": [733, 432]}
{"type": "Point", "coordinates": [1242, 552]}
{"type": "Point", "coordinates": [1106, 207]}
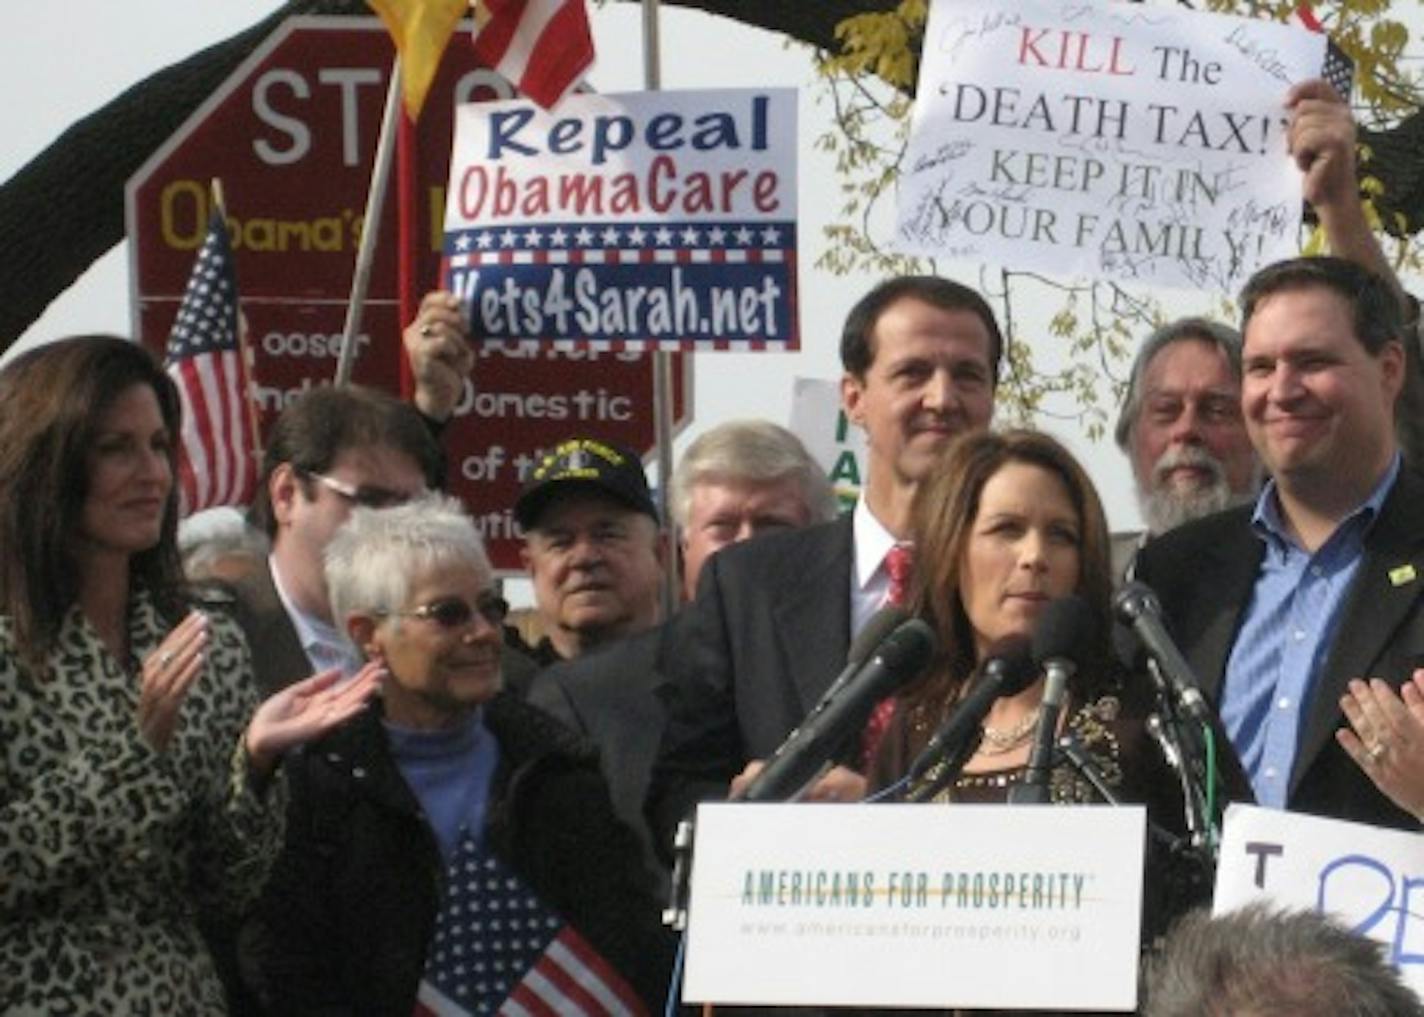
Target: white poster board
{"type": "Point", "coordinates": [1371, 879]}
{"type": "Point", "coordinates": [916, 906]}
{"type": "Point", "coordinates": [1141, 142]}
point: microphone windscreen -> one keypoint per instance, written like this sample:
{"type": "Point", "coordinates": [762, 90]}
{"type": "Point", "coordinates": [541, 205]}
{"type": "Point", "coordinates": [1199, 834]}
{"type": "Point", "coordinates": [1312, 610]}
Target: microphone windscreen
{"type": "Point", "coordinates": [880, 625]}
{"type": "Point", "coordinates": [906, 653]}
{"type": "Point", "coordinates": [1064, 630]}
{"type": "Point", "coordinates": [1134, 600]}
{"type": "Point", "coordinates": [1011, 660]}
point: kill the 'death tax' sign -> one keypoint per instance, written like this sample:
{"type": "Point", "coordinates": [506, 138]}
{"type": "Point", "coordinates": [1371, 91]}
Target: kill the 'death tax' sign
{"type": "Point", "coordinates": [1142, 142]}
{"type": "Point", "coordinates": [638, 221]}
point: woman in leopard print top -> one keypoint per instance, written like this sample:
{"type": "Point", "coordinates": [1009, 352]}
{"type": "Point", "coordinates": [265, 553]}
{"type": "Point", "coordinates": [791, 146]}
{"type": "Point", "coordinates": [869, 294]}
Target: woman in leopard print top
{"type": "Point", "coordinates": [136, 782]}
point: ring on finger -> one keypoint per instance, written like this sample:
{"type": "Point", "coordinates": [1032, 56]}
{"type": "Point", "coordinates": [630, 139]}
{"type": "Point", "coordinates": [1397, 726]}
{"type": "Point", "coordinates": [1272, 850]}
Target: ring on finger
{"type": "Point", "coordinates": [427, 330]}
{"type": "Point", "coordinates": [1376, 751]}
{"type": "Point", "coordinates": [165, 658]}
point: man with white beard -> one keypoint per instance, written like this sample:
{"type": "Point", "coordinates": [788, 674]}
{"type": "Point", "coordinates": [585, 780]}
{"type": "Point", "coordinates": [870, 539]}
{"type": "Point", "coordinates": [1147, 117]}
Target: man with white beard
{"type": "Point", "coordinates": [1181, 428]}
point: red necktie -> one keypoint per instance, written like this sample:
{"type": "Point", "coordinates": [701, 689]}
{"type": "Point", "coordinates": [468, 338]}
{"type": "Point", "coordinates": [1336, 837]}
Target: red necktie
{"type": "Point", "coordinates": [899, 563]}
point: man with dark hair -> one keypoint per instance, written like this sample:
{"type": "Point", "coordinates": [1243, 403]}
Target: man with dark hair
{"type": "Point", "coordinates": [1279, 605]}
{"type": "Point", "coordinates": [329, 450]}
{"type": "Point", "coordinates": [1257, 962]}
{"type": "Point", "coordinates": [1181, 423]}
{"type": "Point", "coordinates": [774, 616]}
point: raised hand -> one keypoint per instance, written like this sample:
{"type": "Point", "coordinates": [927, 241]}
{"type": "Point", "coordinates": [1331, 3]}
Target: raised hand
{"type": "Point", "coordinates": [307, 710]}
{"type": "Point", "coordinates": [168, 674]}
{"type": "Point", "coordinates": [1321, 136]}
{"type": "Point", "coordinates": [437, 343]}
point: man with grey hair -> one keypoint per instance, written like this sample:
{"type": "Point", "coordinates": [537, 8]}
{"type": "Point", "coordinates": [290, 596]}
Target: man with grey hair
{"type": "Point", "coordinates": [737, 480]}
{"type": "Point", "coordinates": [1182, 430]}
{"type": "Point", "coordinates": [1257, 962]}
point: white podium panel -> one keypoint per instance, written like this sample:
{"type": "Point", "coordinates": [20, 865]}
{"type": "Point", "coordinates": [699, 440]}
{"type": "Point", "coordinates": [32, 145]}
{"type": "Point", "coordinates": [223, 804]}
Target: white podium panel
{"type": "Point", "coordinates": [1009, 907]}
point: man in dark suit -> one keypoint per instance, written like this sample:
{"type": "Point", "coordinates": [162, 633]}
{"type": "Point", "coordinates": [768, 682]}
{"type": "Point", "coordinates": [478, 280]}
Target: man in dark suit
{"type": "Point", "coordinates": [329, 450]}
{"type": "Point", "coordinates": [774, 616]}
{"type": "Point", "coordinates": [737, 480]}
{"type": "Point", "coordinates": [1278, 606]}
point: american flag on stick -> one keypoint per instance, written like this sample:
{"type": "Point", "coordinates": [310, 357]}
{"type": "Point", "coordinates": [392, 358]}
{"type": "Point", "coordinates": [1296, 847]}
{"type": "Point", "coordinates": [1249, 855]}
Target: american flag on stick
{"type": "Point", "coordinates": [543, 46]}
{"type": "Point", "coordinates": [217, 461]}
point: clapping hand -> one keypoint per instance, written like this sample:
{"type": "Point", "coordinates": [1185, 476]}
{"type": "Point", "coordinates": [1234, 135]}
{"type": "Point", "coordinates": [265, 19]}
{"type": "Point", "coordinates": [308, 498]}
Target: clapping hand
{"type": "Point", "coordinates": [307, 710]}
{"type": "Point", "coordinates": [168, 674]}
{"type": "Point", "coordinates": [1386, 737]}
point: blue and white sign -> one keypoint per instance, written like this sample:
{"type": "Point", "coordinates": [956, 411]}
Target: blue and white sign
{"type": "Point", "coordinates": [637, 221]}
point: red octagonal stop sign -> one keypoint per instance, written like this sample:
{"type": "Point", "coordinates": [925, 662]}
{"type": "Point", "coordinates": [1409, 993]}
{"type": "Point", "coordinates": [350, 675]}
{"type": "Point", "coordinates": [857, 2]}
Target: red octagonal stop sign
{"type": "Point", "coordinates": [292, 135]}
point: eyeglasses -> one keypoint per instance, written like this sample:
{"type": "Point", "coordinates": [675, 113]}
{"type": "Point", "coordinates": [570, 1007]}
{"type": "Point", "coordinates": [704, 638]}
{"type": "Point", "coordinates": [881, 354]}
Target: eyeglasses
{"type": "Point", "coordinates": [366, 497]}
{"type": "Point", "coordinates": [456, 612]}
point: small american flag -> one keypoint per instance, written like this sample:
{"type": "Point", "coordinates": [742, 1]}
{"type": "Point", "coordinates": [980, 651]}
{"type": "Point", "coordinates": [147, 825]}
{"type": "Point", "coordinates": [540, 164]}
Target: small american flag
{"type": "Point", "coordinates": [498, 950]}
{"type": "Point", "coordinates": [217, 464]}
{"type": "Point", "coordinates": [543, 46]}
{"type": "Point", "coordinates": [1339, 69]}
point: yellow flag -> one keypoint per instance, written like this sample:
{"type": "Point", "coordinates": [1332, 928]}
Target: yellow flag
{"type": "Point", "coordinates": [420, 28]}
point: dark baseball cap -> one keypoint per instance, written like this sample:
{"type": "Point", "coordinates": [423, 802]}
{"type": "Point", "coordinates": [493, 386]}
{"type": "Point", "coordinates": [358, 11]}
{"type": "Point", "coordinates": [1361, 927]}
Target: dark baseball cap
{"type": "Point", "coordinates": [589, 464]}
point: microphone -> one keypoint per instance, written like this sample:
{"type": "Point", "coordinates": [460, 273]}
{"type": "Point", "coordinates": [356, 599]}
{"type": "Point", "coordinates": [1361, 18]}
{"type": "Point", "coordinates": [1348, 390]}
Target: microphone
{"type": "Point", "coordinates": [1007, 671]}
{"type": "Point", "coordinates": [900, 657]}
{"type": "Point", "coordinates": [1136, 605]}
{"type": "Point", "coordinates": [1062, 633]}
{"type": "Point", "coordinates": [875, 632]}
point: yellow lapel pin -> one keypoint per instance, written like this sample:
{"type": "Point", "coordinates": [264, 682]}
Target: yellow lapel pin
{"type": "Point", "coordinates": [1401, 574]}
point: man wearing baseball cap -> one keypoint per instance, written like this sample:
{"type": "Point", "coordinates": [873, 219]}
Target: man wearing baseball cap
{"type": "Point", "coordinates": [592, 547]}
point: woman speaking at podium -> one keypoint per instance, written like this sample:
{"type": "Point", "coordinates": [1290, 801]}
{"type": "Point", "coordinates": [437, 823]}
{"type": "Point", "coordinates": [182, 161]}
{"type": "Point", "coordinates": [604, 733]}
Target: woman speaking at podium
{"type": "Point", "coordinates": [1007, 525]}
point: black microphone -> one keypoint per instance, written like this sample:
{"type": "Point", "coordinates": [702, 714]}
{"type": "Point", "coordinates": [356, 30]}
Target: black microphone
{"type": "Point", "coordinates": [1136, 605]}
{"type": "Point", "coordinates": [1007, 671]}
{"type": "Point", "coordinates": [875, 632]}
{"type": "Point", "coordinates": [900, 657]}
{"type": "Point", "coordinates": [1063, 631]}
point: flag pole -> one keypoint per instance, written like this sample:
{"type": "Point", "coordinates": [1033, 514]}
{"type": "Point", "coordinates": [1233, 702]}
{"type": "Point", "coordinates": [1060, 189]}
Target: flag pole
{"type": "Point", "coordinates": [370, 226]}
{"type": "Point", "coordinates": [662, 360]}
{"type": "Point", "coordinates": [244, 347]}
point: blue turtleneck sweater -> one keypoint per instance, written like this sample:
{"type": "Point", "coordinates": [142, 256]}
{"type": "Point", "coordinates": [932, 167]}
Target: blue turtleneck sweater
{"type": "Point", "coordinates": [450, 773]}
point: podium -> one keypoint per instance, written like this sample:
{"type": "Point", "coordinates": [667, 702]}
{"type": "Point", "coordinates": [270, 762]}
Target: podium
{"type": "Point", "coordinates": [981, 906]}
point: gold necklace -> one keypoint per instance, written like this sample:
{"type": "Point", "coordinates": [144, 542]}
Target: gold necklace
{"type": "Point", "coordinates": [997, 742]}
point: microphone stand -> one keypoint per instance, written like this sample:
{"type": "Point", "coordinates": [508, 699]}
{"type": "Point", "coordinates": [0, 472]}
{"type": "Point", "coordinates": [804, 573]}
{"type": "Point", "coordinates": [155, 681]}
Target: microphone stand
{"type": "Point", "coordinates": [1180, 739]}
{"type": "Point", "coordinates": [680, 887]}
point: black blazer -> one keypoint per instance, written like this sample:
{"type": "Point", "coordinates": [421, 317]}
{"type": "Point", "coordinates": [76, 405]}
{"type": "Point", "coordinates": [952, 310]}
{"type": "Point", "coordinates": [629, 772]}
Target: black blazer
{"type": "Point", "coordinates": [1205, 572]}
{"type": "Point", "coordinates": [768, 632]}
{"type": "Point", "coordinates": [278, 659]}
{"type": "Point", "coordinates": [614, 697]}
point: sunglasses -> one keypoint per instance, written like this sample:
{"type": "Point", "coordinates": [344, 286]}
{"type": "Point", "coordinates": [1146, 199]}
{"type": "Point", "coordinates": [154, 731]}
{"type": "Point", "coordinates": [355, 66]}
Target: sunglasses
{"type": "Point", "coordinates": [456, 612]}
{"type": "Point", "coordinates": [366, 497]}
